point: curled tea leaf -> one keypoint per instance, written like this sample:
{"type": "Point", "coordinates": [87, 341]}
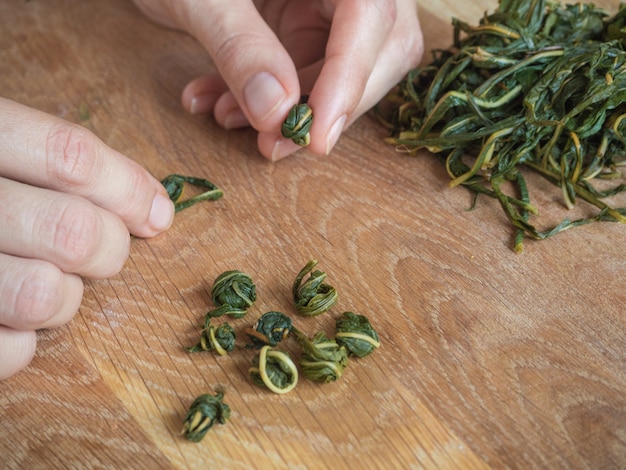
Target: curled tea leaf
{"type": "Point", "coordinates": [225, 309]}
{"type": "Point", "coordinates": [274, 369]}
{"type": "Point", "coordinates": [312, 296]}
{"type": "Point", "coordinates": [298, 124]}
{"type": "Point", "coordinates": [175, 184]}
{"type": "Point", "coordinates": [356, 334]}
{"type": "Point", "coordinates": [271, 328]}
{"type": "Point", "coordinates": [232, 292]}
{"type": "Point", "coordinates": [205, 411]}
{"type": "Point", "coordinates": [322, 359]}
{"type": "Point", "coordinates": [220, 339]}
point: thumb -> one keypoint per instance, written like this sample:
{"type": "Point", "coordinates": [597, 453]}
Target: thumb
{"type": "Point", "coordinates": [254, 64]}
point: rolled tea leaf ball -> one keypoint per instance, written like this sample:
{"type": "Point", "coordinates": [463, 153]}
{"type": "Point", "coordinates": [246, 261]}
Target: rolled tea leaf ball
{"type": "Point", "coordinates": [312, 296]}
{"type": "Point", "coordinates": [220, 339]}
{"type": "Point", "coordinates": [234, 288]}
{"type": "Point", "coordinates": [322, 359]}
{"type": "Point", "coordinates": [298, 124]}
{"type": "Point", "coordinates": [356, 334]}
{"type": "Point", "coordinates": [205, 411]}
{"type": "Point", "coordinates": [271, 328]}
{"type": "Point", "coordinates": [274, 370]}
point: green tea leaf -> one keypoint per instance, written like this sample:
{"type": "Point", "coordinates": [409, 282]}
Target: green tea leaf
{"type": "Point", "coordinates": [274, 370]}
{"type": "Point", "coordinates": [205, 411]}
{"type": "Point", "coordinates": [312, 296]}
{"type": "Point", "coordinates": [322, 359]}
{"type": "Point", "coordinates": [271, 328]}
{"type": "Point", "coordinates": [535, 86]}
{"type": "Point", "coordinates": [220, 339]}
{"type": "Point", "coordinates": [298, 124]}
{"type": "Point", "coordinates": [356, 334]}
{"type": "Point", "coordinates": [175, 184]}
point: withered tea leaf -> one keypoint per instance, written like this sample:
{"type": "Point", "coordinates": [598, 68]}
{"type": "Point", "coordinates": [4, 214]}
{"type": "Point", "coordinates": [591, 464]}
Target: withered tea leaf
{"type": "Point", "coordinates": [535, 86]}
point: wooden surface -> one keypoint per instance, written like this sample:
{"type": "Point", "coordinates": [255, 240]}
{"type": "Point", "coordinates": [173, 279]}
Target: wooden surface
{"type": "Point", "coordinates": [488, 358]}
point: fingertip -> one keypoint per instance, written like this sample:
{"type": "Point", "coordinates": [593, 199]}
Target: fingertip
{"type": "Point", "coordinates": [73, 289]}
{"type": "Point", "coordinates": [161, 213]}
{"type": "Point", "coordinates": [200, 104]}
{"type": "Point", "coordinates": [201, 94]}
{"type": "Point", "coordinates": [228, 113]}
{"type": "Point", "coordinates": [156, 211]}
{"type": "Point", "coordinates": [334, 133]}
{"type": "Point", "coordinates": [17, 349]}
{"type": "Point", "coordinates": [276, 148]}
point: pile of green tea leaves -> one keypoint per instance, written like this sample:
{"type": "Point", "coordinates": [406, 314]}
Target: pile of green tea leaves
{"type": "Point", "coordinates": [536, 85]}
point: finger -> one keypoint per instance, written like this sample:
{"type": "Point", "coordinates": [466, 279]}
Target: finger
{"type": "Point", "coordinates": [201, 94]}
{"type": "Point", "coordinates": [249, 58]}
{"type": "Point", "coordinates": [36, 294]}
{"type": "Point", "coordinates": [402, 51]}
{"type": "Point", "coordinates": [353, 46]}
{"type": "Point", "coordinates": [273, 145]}
{"type": "Point", "coordinates": [45, 151]}
{"type": "Point", "coordinates": [17, 349]}
{"type": "Point", "coordinates": [391, 66]}
{"type": "Point", "coordinates": [157, 12]}
{"type": "Point", "coordinates": [65, 230]}
{"type": "Point", "coordinates": [228, 113]}
{"type": "Point", "coordinates": [337, 82]}
{"type": "Point", "coordinates": [353, 51]}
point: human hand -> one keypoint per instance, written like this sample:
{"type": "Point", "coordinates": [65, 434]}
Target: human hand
{"type": "Point", "coordinates": [68, 205]}
{"type": "Point", "coordinates": [345, 54]}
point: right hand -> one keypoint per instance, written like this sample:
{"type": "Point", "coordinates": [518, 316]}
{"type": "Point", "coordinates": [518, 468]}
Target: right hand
{"type": "Point", "coordinates": [345, 54]}
{"type": "Point", "coordinates": [69, 205]}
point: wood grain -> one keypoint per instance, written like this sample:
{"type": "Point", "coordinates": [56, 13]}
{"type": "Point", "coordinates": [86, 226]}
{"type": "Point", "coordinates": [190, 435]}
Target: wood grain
{"type": "Point", "coordinates": [488, 359]}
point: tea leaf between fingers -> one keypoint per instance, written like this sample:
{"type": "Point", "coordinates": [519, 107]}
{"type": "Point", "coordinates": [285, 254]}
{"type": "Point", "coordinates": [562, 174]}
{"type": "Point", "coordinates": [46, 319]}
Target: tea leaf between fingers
{"type": "Point", "coordinates": [174, 185]}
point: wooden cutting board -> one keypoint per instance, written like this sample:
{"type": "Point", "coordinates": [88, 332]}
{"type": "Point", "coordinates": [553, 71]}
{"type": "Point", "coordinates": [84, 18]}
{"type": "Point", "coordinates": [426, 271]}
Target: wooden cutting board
{"type": "Point", "coordinates": [488, 358]}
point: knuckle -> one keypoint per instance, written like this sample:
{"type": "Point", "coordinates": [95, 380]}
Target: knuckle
{"type": "Point", "coordinates": [75, 228]}
{"type": "Point", "coordinates": [236, 48]}
{"type": "Point", "coordinates": [134, 200]}
{"type": "Point", "coordinates": [37, 296]}
{"type": "Point", "coordinates": [70, 155]}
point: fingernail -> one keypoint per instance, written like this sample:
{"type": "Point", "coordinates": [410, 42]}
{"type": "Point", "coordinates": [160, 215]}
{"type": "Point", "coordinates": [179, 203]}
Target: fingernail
{"type": "Point", "coordinates": [276, 155]}
{"type": "Point", "coordinates": [334, 133]}
{"type": "Point", "coordinates": [235, 119]}
{"type": "Point", "coordinates": [162, 213]}
{"type": "Point", "coordinates": [263, 94]}
{"type": "Point", "coordinates": [202, 104]}
{"type": "Point", "coordinates": [282, 149]}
